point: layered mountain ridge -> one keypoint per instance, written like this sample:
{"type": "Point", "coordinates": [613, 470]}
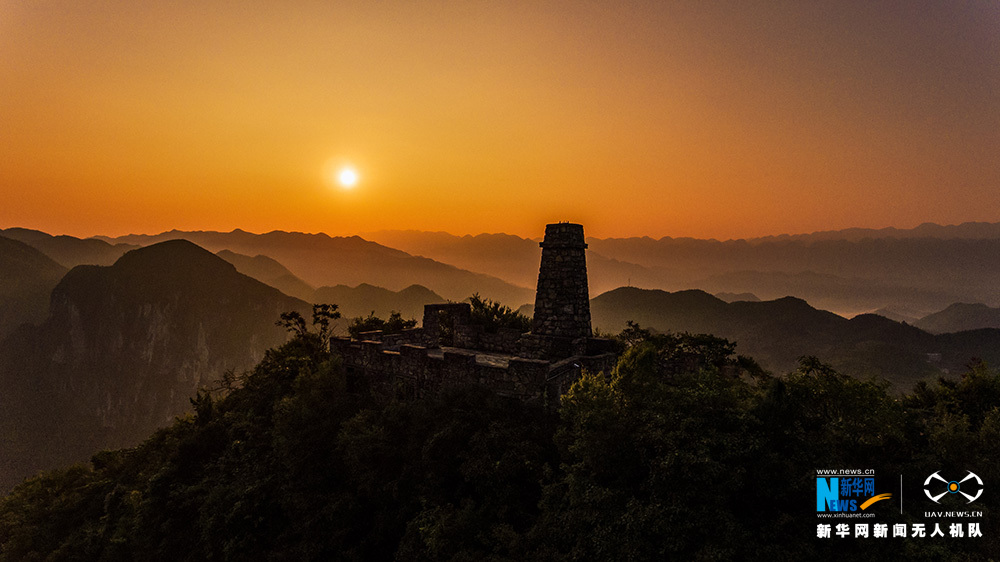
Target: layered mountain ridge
{"type": "Point", "coordinates": [849, 272]}
{"type": "Point", "coordinates": [322, 260]}
{"type": "Point", "coordinates": [27, 277]}
{"type": "Point", "coordinates": [778, 332]}
{"type": "Point", "coordinates": [125, 346]}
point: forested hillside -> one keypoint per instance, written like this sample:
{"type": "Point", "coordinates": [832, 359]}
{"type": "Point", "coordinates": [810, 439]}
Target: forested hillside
{"type": "Point", "coordinates": [670, 456]}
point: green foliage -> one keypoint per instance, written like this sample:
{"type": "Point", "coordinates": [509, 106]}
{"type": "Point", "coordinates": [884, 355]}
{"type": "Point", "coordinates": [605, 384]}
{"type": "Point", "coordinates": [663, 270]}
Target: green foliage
{"type": "Point", "coordinates": [493, 316]}
{"type": "Point", "coordinates": [642, 448]}
{"type": "Point", "coordinates": [683, 352]}
{"type": "Point", "coordinates": [672, 455]}
{"type": "Point", "coordinates": [634, 334]}
{"type": "Point", "coordinates": [394, 325]}
{"type": "Point", "coordinates": [322, 315]}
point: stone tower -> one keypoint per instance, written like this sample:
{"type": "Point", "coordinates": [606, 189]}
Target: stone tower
{"type": "Point", "coordinates": [562, 300]}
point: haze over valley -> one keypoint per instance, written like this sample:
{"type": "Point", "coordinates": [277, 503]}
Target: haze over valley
{"type": "Point", "coordinates": [104, 339]}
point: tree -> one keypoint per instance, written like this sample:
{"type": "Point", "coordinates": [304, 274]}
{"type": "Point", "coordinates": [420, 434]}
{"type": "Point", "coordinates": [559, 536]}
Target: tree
{"type": "Point", "coordinates": [394, 325]}
{"type": "Point", "coordinates": [322, 315]}
{"type": "Point", "coordinates": [493, 316]}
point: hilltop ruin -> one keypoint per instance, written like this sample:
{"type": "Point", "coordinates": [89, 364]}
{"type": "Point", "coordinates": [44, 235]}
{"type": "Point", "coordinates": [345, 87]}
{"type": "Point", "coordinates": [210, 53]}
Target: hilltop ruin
{"type": "Point", "coordinates": [448, 349]}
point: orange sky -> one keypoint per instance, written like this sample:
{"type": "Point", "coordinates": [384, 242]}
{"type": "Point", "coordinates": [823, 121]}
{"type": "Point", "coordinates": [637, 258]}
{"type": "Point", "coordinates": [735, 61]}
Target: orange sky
{"type": "Point", "coordinates": [705, 119]}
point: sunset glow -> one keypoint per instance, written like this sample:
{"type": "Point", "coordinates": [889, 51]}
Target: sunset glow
{"type": "Point", "coordinates": [722, 120]}
{"type": "Point", "coordinates": [347, 178]}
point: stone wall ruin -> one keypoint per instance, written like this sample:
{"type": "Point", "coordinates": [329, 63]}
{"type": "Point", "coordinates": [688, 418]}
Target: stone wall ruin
{"type": "Point", "coordinates": [449, 349]}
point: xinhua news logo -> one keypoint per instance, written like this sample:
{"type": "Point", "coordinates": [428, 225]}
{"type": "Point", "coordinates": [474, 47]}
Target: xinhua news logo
{"type": "Point", "coordinates": [847, 493]}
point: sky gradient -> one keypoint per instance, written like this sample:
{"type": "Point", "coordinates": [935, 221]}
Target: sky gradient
{"type": "Point", "coordinates": [705, 119]}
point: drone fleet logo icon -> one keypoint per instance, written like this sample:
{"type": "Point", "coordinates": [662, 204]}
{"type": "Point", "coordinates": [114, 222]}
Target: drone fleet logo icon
{"type": "Point", "coordinates": [953, 487]}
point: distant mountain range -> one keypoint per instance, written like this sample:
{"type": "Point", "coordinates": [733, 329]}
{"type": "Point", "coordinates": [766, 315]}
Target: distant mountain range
{"type": "Point", "coordinates": [966, 230]}
{"type": "Point", "coordinates": [321, 260]}
{"type": "Point", "coordinates": [69, 251]}
{"type": "Point", "coordinates": [366, 299]}
{"type": "Point", "coordinates": [733, 297]}
{"type": "Point", "coordinates": [851, 271]}
{"type": "Point", "coordinates": [27, 276]}
{"type": "Point", "coordinates": [357, 301]}
{"type": "Point", "coordinates": [32, 262]}
{"type": "Point", "coordinates": [271, 272]}
{"type": "Point", "coordinates": [847, 296]}
{"type": "Point", "coordinates": [960, 317]}
{"type": "Point", "coordinates": [778, 332]}
{"type": "Point", "coordinates": [915, 272]}
{"type": "Point", "coordinates": [512, 258]}
{"type": "Point", "coordinates": [124, 347]}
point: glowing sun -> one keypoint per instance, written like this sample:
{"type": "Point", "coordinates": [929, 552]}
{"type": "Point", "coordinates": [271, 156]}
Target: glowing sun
{"type": "Point", "coordinates": [347, 177]}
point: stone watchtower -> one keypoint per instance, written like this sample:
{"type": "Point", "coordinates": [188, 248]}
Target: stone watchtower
{"type": "Point", "coordinates": [562, 300]}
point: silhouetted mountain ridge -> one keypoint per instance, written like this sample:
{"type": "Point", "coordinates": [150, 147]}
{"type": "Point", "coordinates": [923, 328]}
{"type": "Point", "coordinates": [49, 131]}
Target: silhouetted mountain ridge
{"type": "Point", "coordinates": [960, 317]}
{"type": "Point", "coordinates": [966, 230]}
{"type": "Point", "coordinates": [320, 260]}
{"type": "Point", "coordinates": [733, 297]}
{"type": "Point", "coordinates": [778, 332]}
{"type": "Point", "coordinates": [125, 346]}
{"type": "Point", "coordinates": [512, 258]}
{"type": "Point", "coordinates": [69, 251]}
{"type": "Point", "coordinates": [365, 299]}
{"type": "Point", "coordinates": [270, 272]}
{"type": "Point", "coordinates": [850, 271]}
{"type": "Point", "coordinates": [27, 276]}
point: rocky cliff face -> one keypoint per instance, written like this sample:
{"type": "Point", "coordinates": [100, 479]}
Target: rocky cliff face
{"type": "Point", "coordinates": [126, 346]}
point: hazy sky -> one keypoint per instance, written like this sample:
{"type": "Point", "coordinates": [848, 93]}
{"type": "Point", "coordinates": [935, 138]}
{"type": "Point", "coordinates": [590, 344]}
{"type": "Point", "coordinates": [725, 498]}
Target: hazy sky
{"type": "Point", "coordinates": [701, 118]}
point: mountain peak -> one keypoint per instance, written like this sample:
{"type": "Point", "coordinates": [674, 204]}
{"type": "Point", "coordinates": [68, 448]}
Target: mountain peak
{"type": "Point", "coordinates": [170, 255]}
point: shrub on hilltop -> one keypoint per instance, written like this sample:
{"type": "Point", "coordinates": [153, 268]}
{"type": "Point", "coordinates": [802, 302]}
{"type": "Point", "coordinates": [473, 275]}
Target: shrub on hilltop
{"type": "Point", "coordinates": [394, 325]}
{"type": "Point", "coordinates": [493, 316]}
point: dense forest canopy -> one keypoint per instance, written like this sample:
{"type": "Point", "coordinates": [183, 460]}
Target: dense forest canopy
{"type": "Point", "coordinates": [684, 451]}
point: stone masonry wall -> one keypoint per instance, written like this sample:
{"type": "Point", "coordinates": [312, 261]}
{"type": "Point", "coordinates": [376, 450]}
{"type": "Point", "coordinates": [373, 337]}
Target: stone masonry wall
{"type": "Point", "coordinates": [413, 370]}
{"type": "Point", "coordinates": [448, 315]}
{"type": "Point", "coordinates": [443, 352]}
{"type": "Point", "coordinates": [562, 299]}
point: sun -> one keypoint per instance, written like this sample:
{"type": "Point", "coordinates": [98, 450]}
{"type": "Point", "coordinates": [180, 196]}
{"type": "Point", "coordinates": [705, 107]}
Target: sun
{"type": "Point", "coordinates": [347, 177]}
